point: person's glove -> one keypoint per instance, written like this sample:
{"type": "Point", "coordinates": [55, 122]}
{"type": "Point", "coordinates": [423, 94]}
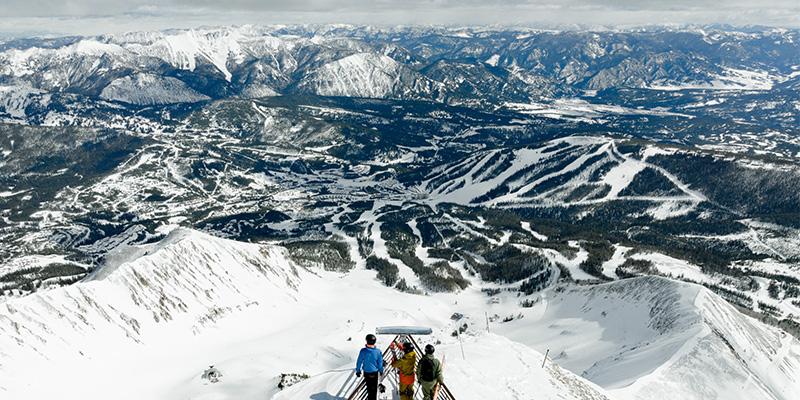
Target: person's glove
{"type": "Point", "coordinates": [358, 374]}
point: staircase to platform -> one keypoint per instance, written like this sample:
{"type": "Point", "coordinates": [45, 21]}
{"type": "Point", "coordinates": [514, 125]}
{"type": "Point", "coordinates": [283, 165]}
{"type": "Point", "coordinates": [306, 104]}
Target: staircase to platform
{"type": "Point", "coordinates": [391, 379]}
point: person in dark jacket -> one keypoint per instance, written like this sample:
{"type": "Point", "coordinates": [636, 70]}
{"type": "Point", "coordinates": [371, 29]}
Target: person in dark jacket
{"type": "Point", "coordinates": [428, 383]}
{"type": "Point", "coordinates": [406, 367]}
{"type": "Point", "coordinates": [370, 359]}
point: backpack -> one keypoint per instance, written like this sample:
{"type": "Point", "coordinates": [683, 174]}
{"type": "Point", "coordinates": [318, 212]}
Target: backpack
{"type": "Point", "coordinates": [427, 370]}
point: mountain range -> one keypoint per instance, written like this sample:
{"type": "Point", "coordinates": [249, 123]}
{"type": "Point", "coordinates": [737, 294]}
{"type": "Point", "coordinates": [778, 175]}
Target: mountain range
{"type": "Point", "coordinates": [627, 200]}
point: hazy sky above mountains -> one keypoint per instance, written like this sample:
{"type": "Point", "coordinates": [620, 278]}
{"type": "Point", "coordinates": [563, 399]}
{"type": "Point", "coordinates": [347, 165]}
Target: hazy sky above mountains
{"type": "Point", "coordinates": [88, 17]}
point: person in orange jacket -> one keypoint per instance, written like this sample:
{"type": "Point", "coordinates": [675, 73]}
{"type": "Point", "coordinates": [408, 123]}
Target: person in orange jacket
{"type": "Point", "coordinates": [406, 366]}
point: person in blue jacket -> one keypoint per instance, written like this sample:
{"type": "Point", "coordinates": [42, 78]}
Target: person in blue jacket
{"type": "Point", "coordinates": [370, 359]}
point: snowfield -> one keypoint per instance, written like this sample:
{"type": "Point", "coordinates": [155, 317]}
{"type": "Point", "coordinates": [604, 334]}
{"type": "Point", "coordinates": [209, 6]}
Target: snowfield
{"type": "Point", "coordinates": [144, 89]}
{"type": "Point", "coordinates": [154, 318]}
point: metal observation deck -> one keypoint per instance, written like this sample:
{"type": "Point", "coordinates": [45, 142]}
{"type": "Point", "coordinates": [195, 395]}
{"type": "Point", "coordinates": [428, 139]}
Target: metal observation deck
{"type": "Point", "coordinates": [402, 334]}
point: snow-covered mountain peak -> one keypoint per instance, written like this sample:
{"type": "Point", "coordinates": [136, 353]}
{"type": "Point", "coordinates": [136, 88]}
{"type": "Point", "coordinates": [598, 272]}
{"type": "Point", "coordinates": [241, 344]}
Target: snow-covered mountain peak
{"type": "Point", "coordinates": [185, 49]}
{"type": "Point", "coordinates": [95, 48]}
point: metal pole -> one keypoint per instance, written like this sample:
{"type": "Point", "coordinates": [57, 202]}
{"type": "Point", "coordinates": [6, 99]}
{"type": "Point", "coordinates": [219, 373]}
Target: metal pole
{"type": "Point", "coordinates": [545, 357]}
{"type": "Point", "coordinates": [462, 345]}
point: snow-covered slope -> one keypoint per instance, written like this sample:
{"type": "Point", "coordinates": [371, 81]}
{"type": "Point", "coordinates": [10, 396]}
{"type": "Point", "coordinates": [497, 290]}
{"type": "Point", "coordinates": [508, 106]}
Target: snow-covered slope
{"type": "Point", "coordinates": [649, 337]}
{"type": "Point", "coordinates": [155, 317]}
{"type": "Point", "coordinates": [163, 295]}
{"type": "Point", "coordinates": [15, 98]}
{"type": "Point", "coordinates": [149, 323]}
{"type": "Point", "coordinates": [368, 75]}
{"type": "Point", "coordinates": [143, 89]}
{"type": "Point", "coordinates": [569, 171]}
{"type": "Point", "coordinates": [494, 368]}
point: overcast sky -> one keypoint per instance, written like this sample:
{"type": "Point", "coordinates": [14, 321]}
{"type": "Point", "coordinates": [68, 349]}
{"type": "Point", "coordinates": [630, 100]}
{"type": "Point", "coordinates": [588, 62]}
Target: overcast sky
{"type": "Point", "coordinates": [91, 17]}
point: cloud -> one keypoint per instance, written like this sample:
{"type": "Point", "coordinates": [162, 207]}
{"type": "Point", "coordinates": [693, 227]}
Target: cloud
{"type": "Point", "coordinates": [72, 15]}
{"type": "Point", "coordinates": [72, 8]}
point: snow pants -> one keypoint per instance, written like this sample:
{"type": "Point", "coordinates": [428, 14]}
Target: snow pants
{"type": "Point", "coordinates": [427, 389]}
{"type": "Point", "coordinates": [406, 392]}
{"type": "Point", "coordinates": [371, 380]}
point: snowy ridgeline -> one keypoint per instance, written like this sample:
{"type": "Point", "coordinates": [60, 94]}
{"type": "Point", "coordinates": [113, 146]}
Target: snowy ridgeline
{"type": "Point", "coordinates": [144, 295]}
{"type": "Point", "coordinates": [149, 324]}
{"type": "Point", "coordinates": [657, 338]}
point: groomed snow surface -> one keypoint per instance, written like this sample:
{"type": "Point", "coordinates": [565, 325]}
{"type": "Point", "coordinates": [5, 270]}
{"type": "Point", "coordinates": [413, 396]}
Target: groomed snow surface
{"type": "Point", "coordinates": [155, 318]}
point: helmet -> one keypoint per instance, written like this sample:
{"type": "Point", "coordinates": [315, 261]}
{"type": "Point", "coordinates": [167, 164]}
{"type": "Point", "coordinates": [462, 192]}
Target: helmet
{"type": "Point", "coordinates": [408, 347]}
{"type": "Point", "coordinates": [371, 339]}
{"type": "Point", "coordinates": [429, 349]}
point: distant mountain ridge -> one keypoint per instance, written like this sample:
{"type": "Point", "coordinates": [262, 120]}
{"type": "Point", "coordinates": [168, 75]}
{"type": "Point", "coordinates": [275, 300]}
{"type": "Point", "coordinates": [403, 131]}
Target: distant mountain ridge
{"type": "Point", "coordinates": [405, 63]}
